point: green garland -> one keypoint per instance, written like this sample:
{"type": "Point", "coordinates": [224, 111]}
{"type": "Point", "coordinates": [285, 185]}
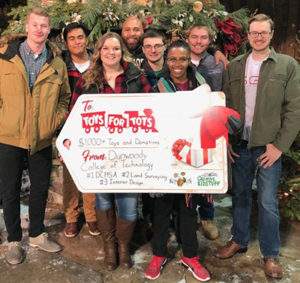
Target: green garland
{"type": "Point", "coordinates": [289, 187]}
{"type": "Point", "coordinates": [60, 13]}
{"type": "Point", "coordinates": [100, 16]}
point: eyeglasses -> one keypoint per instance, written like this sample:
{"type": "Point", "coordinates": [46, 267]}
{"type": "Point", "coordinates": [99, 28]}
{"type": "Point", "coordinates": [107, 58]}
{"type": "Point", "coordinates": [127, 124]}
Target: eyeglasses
{"type": "Point", "coordinates": [181, 60]}
{"type": "Point", "coordinates": [256, 34]}
{"type": "Point", "coordinates": [156, 46]}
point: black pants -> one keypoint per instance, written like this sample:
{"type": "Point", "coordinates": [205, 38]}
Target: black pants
{"type": "Point", "coordinates": [188, 224]}
{"type": "Point", "coordinates": [11, 166]}
{"type": "Point", "coordinates": [206, 207]}
{"type": "Point", "coordinates": [148, 207]}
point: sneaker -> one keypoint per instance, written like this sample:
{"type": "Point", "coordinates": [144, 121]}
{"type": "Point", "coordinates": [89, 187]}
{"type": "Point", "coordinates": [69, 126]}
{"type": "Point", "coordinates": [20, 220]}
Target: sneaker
{"type": "Point", "coordinates": [44, 243]}
{"type": "Point", "coordinates": [14, 253]}
{"type": "Point", "coordinates": [154, 268]}
{"type": "Point", "coordinates": [210, 230]}
{"type": "Point", "coordinates": [193, 265]}
{"type": "Point", "coordinates": [93, 228]}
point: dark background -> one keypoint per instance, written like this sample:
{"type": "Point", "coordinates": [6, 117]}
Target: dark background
{"type": "Point", "coordinates": [286, 15]}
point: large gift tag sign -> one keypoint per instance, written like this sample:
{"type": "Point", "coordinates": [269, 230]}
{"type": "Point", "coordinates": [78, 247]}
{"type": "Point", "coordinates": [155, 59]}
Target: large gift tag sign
{"type": "Point", "coordinates": [146, 143]}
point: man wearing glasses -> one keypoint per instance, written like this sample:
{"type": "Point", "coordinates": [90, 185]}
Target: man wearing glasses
{"type": "Point", "coordinates": [132, 33]}
{"type": "Point", "coordinates": [264, 87]}
{"type": "Point", "coordinates": [154, 47]}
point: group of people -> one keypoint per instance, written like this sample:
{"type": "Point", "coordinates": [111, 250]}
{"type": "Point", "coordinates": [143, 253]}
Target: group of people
{"type": "Point", "coordinates": [38, 88]}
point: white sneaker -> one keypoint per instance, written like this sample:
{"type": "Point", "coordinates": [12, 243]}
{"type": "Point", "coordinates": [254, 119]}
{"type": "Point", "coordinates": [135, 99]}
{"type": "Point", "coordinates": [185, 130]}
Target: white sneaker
{"type": "Point", "coordinates": [14, 254]}
{"type": "Point", "coordinates": [42, 242]}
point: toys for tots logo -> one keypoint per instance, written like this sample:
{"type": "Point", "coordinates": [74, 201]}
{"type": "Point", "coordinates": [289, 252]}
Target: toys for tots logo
{"type": "Point", "coordinates": [95, 120]}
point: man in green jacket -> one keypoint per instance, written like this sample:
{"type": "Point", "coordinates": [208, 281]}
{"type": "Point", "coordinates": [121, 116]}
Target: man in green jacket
{"type": "Point", "coordinates": [264, 87]}
{"type": "Point", "coordinates": [34, 97]}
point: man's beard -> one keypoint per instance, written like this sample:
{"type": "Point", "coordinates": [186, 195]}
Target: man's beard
{"type": "Point", "coordinates": [133, 46]}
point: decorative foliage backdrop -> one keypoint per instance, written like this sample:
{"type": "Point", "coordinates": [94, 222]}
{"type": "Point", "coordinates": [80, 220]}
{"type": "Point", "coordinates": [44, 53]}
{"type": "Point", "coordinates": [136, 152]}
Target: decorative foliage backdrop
{"type": "Point", "coordinates": [229, 29]}
{"type": "Point", "coordinates": [229, 33]}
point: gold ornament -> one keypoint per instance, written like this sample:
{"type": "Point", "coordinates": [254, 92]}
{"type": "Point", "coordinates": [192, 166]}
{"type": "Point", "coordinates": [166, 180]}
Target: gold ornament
{"type": "Point", "coordinates": [197, 7]}
{"type": "Point", "coordinates": [141, 2]}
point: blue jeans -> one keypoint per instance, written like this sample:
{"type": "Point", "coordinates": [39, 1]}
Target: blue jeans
{"type": "Point", "coordinates": [126, 204]}
{"type": "Point", "coordinates": [267, 180]}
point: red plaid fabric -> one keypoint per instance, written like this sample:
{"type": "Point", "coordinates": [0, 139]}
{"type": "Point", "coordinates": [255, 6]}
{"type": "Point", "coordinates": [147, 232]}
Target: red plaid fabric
{"type": "Point", "coordinates": [120, 87]}
{"type": "Point", "coordinates": [76, 93]}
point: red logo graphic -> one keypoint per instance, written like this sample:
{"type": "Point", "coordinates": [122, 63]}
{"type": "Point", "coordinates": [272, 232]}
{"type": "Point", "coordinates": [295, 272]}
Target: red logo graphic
{"type": "Point", "coordinates": [252, 80]}
{"type": "Point", "coordinates": [117, 122]}
{"type": "Point", "coordinates": [93, 120]}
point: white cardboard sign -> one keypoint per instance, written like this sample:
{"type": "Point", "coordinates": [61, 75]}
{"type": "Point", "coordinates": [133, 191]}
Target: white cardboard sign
{"type": "Point", "coordinates": [143, 143]}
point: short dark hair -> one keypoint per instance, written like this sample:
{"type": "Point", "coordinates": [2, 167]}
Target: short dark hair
{"type": "Point", "coordinates": [151, 33]}
{"type": "Point", "coordinates": [179, 43]}
{"type": "Point", "coordinates": [72, 26]}
{"type": "Point", "coordinates": [261, 18]}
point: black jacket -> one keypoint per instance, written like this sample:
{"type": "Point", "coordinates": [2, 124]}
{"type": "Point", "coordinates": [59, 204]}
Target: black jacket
{"type": "Point", "coordinates": [133, 80]}
{"type": "Point", "coordinates": [73, 73]}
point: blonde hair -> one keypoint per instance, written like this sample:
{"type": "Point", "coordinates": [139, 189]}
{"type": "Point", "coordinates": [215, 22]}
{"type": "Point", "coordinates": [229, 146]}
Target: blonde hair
{"type": "Point", "coordinates": [261, 18]}
{"type": "Point", "coordinates": [38, 11]}
{"type": "Point", "coordinates": [95, 72]}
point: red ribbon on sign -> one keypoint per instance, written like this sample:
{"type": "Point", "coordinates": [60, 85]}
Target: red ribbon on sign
{"type": "Point", "coordinates": [213, 125]}
{"type": "Point", "coordinates": [205, 155]}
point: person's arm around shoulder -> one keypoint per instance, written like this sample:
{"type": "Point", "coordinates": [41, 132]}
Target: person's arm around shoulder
{"type": "Point", "coordinates": [219, 56]}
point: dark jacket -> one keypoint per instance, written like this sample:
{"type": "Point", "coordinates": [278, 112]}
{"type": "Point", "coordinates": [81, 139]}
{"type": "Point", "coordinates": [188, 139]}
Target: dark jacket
{"type": "Point", "coordinates": [213, 74]}
{"type": "Point", "coordinates": [138, 56]}
{"type": "Point", "coordinates": [73, 73]}
{"type": "Point", "coordinates": [150, 75]}
{"type": "Point", "coordinates": [135, 81]}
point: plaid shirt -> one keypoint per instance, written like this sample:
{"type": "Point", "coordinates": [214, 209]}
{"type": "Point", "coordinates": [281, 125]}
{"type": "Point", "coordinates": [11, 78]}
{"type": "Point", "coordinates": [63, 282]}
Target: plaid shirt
{"type": "Point", "coordinates": [33, 64]}
{"type": "Point", "coordinates": [120, 87]}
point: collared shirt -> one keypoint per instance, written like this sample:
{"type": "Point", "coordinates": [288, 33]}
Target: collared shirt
{"type": "Point", "coordinates": [213, 74]}
{"type": "Point", "coordinates": [33, 63]}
